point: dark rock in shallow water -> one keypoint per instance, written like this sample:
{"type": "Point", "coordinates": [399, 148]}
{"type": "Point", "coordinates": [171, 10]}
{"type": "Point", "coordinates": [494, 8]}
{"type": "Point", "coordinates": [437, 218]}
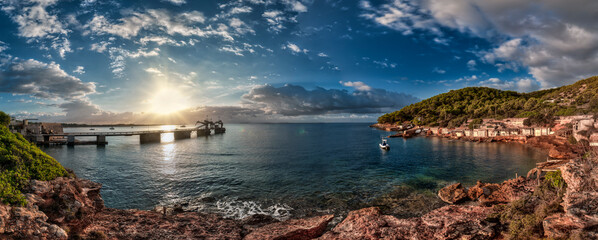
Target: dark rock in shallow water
{"type": "Point", "coordinates": [454, 193]}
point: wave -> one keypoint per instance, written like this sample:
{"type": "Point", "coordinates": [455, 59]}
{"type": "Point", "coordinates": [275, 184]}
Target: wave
{"type": "Point", "coordinates": [233, 208]}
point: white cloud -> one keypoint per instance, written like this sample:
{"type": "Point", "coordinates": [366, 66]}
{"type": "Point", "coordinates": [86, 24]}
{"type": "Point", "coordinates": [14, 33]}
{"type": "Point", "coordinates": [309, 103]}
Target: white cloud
{"type": "Point", "coordinates": [520, 85]}
{"type": "Point", "coordinates": [34, 21]}
{"type": "Point", "coordinates": [99, 47]}
{"type": "Point", "coordinates": [276, 20]}
{"type": "Point", "coordinates": [160, 20]}
{"type": "Point", "coordinates": [438, 70]}
{"type": "Point", "coordinates": [79, 70]}
{"type": "Point", "coordinates": [360, 86]}
{"type": "Point", "coordinates": [119, 57]}
{"type": "Point", "coordinates": [401, 15]}
{"type": "Point", "coordinates": [295, 5]}
{"type": "Point", "coordinates": [240, 27]}
{"type": "Point", "coordinates": [471, 65]}
{"type": "Point", "coordinates": [154, 71]}
{"type": "Point", "coordinates": [294, 48]}
{"type": "Point", "coordinates": [176, 2]}
{"type": "Point", "coordinates": [237, 51]}
{"type": "Point", "coordinates": [322, 54]}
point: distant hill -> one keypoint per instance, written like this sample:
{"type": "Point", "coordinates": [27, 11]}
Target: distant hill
{"type": "Point", "coordinates": [453, 108]}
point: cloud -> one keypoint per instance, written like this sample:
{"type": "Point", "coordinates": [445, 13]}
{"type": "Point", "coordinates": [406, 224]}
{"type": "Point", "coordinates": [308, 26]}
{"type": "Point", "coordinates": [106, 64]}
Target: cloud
{"type": "Point", "coordinates": [439, 71]}
{"type": "Point", "coordinates": [294, 48]}
{"type": "Point", "coordinates": [292, 100]}
{"type": "Point", "coordinates": [154, 71]}
{"type": "Point", "coordinates": [520, 85]}
{"type": "Point", "coordinates": [295, 5]}
{"type": "Point", "coordinates": [157, 20]}
{"type": "Point", "coordinates": [471, 65]}
{"type": "Point", "coordinates": [99, 47]}
{"type": "Point", "coordinates": [42, 80]}
{"type": "Point", "coordinates": [176, 2]}
{"type": "Point", "coordinates": [401, 15]}
{"type": "Point", "coordinates": [276, 20]}
{"type": "Point", "coordinates": [360, 86]}
{"type": "Point", "coordinates": [322, 54]}
{"type": "Point", "coordinates": [36, 23]}
{"type": "Point", "coordinates": [33, 19]}
{"type": "Point", "coordinates": [79, 70]}
{"type": "Point", "coordinates": [555, 41]}
{"type": "Point", "coordinates": [119, 57]}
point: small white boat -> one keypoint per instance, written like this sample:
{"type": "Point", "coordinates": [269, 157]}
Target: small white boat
{"type": "Point", "coordinates": [384, 145]}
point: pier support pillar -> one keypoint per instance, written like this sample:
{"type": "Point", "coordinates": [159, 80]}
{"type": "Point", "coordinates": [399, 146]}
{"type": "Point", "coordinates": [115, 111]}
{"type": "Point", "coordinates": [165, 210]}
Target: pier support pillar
{"type": "Point", "coordinates": [149, 137]}
{"type": "Point", "coordinates": [70, 140]}
{"type": "Point", "coordinates": [182, 134]}
{"type": "Point", "coordinates": [101, 140]}
{"type": "Point", "coordinates": [219, 130]}
{"type": "Point", "coordinates": [46, 140]}
{"type": "Point", "coordinates": [203, 132]}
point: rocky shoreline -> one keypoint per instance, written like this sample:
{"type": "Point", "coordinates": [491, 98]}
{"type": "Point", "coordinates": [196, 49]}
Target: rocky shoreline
{"type": "Point", "coordinates": [69, 208]}
{"type": "Point", "coordinates": [72, 208]}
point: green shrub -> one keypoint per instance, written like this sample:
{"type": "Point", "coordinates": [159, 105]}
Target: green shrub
{"type": "Point", "coordinates": [4, 119]}
{"type": "Point", "coordinates": [555, 179]}
{"type": "Point", "coordinates": [522, 218]}
{"type": "Point", "coordinates": [21, 161]}
{"type": "Point", "coordinates": [572, 139]}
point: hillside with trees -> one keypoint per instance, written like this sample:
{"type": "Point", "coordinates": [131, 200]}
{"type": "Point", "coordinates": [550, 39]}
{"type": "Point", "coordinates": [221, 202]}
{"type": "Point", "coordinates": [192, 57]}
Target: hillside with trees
{"type": "Point", "coordinates": [454, 108]}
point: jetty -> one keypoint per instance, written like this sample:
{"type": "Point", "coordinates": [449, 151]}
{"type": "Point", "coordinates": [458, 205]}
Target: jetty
{"type": "Point", "coordinates": [38, 133]}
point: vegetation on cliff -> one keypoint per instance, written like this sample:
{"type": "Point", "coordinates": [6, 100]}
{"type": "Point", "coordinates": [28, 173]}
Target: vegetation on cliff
{"type": "Point", "coordinates": [455, 107]}
{"type": "Point", "coordinates": [21, 161]}
{"type": "Point", "coordinates": [522, 218]}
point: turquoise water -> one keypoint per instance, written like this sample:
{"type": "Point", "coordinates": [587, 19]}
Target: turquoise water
{"type": "Point", "coordinates": [284, 169]}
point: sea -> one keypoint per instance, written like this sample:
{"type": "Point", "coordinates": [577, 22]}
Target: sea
{"type": "Point", "coordinates": [288, 170]}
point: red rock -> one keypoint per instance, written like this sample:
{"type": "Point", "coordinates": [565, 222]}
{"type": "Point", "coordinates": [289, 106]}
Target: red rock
{"type": "Point", "coordinates": [449, 222]}
{"type": "Point", "coordinates": [139, 224]}
{"type": "Point", "coordinates": [453, 193]}
{"type": "Point", "coordinates": [559, 226]}
{"type": "Point", "coordinates": [292, 229]}
{"type": "Point", "coordinates": [66, 201]}
{"type": "Point", "coordinates": [509, 190]}
{"type": "Point", "coordinates": [27, 223]}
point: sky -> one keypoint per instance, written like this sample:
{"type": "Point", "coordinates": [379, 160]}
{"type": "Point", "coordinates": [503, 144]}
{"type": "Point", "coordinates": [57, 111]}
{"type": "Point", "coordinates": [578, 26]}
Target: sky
{"type": "Point", "coordinates": [171, 61]}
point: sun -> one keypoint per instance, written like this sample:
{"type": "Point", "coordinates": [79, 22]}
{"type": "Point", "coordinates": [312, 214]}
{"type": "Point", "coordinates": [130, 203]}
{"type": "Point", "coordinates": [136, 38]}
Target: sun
{"type": "Point", "coordinates": [167, 100]}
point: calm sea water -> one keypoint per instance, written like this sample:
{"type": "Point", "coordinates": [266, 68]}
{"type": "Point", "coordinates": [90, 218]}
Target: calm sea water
{"type": "Point", "coordinates": [284, 169]}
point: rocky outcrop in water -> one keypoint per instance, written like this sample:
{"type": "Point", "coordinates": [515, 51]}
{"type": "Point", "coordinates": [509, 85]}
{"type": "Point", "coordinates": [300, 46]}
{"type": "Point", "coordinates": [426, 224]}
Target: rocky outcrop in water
{"type": "Point", "coordinates": [453, 193]}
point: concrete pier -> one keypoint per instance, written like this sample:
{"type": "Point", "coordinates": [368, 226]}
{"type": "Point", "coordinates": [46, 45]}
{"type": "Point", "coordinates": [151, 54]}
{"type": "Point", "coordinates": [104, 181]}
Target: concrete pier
{"type": "Point", "coordinates": [182, 134]}
{"type": "Point", "coordinates": [149, 137]}
{"type": "Point", "coordinates": [70, 140]}
{"type": "Point", "coordinates": [101, 140]}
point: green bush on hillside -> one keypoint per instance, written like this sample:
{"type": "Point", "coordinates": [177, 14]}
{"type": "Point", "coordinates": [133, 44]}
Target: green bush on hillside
{"type": "Point", "coordinates": [4, 119]}
{"type": "Point", "coordinates": [21, 161]}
